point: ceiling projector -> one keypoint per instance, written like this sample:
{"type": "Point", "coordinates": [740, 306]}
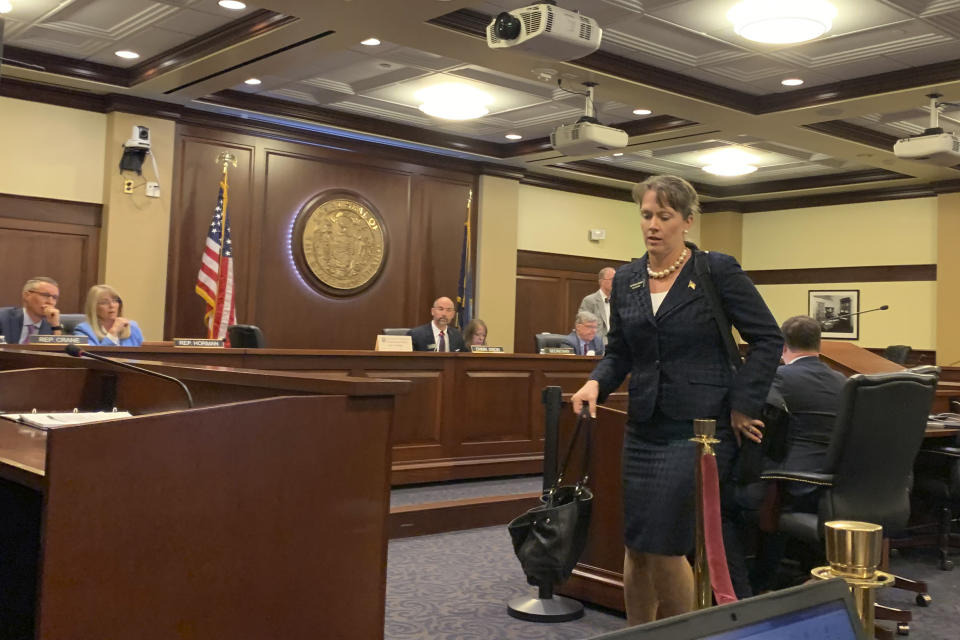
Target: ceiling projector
{"type": "Point", "coordinates": [547, 30]}
{"type": "Point", "coordinates": [933, 144]}
{"type": "Point", "coordinates": [939, 148]}
{"type": "Point", "coordinates": [587, 135]}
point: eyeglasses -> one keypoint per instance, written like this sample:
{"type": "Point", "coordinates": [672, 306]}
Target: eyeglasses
{"type": "Point", "coordinates": [108, 302]}
{"type": "Point", "coordinates": [444, 308]}
{"type": "Point", "coordinates": [44, 294]}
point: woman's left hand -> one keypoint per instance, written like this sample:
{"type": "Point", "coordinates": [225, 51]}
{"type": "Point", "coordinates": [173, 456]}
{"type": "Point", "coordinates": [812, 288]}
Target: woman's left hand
{"type": "Point", "coordinates": [746, 426]}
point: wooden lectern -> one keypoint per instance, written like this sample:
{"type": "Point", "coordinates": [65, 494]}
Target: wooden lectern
{"type": "Point", "coordinates": [251, 518]}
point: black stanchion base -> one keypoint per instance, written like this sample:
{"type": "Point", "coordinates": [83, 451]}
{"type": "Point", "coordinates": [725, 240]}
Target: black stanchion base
{"type": "Point", "coordinates": [555, 609]}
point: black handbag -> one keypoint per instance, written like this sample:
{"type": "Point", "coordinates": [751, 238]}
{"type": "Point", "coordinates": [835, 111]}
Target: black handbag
{"type": "Point", "coordinates": [549, 538]}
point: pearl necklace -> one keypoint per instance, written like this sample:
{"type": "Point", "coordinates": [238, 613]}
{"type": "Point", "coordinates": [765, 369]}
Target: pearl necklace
{"type": "Point", "coordinates": [668, 270]}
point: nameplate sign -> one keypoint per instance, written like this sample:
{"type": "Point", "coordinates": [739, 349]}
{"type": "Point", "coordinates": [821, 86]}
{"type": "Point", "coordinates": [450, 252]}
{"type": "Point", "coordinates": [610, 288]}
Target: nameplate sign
{"type": "Point", "coordinates": [38, 339]}
{"type": "Point", "coordinates": [482, 348]}
{"type": "Point", "coordinates": [3, 340]}
{"type": "Point", "coordinates": [394, 343]}
{"type": "Point", "coordinates": [209, 343]}
{"type": "Point", "coordinates": [557, 351]}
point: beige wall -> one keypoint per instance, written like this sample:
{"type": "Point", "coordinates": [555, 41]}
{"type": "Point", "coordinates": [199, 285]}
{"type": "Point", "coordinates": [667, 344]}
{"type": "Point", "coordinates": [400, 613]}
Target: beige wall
{"type": "Point", "coordinates": [863, 234]}
{"type": "Point", "coordinates": [948, 279]}
{"type": "Point", "coordinates": [51, 152]}
{"type": "Point", "coordinates": [497, 258]}
{"type": "Point", "coordinates": [723, 232]}
{"type": "Point", "coordinates": [136, 229]}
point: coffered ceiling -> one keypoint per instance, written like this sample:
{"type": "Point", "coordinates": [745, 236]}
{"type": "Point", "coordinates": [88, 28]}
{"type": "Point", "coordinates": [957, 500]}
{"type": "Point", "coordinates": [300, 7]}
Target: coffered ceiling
{"type": "Point", "coordinates": [706, 87]}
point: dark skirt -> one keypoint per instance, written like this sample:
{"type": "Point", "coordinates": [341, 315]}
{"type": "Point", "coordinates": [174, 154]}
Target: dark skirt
{"type": "Point", "coordinates": [658, 483]}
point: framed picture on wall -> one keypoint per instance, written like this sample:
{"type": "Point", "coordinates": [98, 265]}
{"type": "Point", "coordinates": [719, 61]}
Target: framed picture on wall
{"type": "Point", "coordinates": [834, 311]}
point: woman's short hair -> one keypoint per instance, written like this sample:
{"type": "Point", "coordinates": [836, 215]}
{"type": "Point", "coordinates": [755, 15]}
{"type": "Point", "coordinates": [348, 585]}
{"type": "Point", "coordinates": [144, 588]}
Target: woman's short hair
{"type": "Point", "coordinates": [90, 308]}
{"type": "Point", "coordinates": [673, 192]}
{"type": "Point", "coordinates": [801, 333]}
{"type": "Point", "coordinates": [472, 328]}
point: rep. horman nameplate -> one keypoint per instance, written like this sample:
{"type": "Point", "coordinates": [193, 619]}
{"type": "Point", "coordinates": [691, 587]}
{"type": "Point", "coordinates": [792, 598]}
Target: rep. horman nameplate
{"type": "Point", "coordinates": [343, 243]}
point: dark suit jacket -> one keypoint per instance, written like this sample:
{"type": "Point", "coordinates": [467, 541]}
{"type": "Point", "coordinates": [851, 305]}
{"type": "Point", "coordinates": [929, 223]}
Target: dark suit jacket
{"type": "Point", "coordinates": [676, 358]}
{"type": "Point", "coordinates": [596, 344]}
{"type": "Point", "coordinates": [811, 392]}
{"type": "Point", "coordinates": [11, 324]}
{"type": "Point", "coordinates": [423, 338]}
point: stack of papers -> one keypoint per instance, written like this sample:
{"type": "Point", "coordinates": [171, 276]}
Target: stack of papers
{"type": "Point", "coordinates": [66, 419]}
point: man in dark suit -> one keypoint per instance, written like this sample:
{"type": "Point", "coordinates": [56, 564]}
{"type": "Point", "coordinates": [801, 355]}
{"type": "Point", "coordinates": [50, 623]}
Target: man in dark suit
{"type": "Point", "coordinates": [598, 302]}
{"type": "Point", "coordinates": [438, 335]}
{"type": "Point", "coordinates": [811, 392]}
{"type": "Point", "coordinates": [584, 338]}
{"type": "Point", "coordinates": [37, 315]}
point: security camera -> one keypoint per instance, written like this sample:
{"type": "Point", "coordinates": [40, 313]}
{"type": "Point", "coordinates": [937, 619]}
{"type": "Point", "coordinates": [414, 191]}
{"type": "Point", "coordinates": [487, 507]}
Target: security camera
{"type": "Point", "coordinates": [139, 138]}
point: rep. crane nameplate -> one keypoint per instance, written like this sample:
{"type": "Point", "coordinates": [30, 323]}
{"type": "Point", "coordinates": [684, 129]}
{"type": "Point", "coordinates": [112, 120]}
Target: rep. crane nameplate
{"type": "Point", "coordinates": [343, 244]}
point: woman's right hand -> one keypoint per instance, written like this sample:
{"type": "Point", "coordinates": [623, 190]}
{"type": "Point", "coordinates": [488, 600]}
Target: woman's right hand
{"type": "Point", "coordinates": [118, 326]}
{"type": "Point", "coordinates": [588, 393]}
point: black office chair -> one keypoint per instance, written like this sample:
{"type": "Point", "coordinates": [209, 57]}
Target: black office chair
{"type": "Point", "coordinates": [245, 336]}
{"type": "Point", "coordinates": [938, 485]}
{"type": "Point", "coordinates": [869, 465]}
{"type": "Point", "coordinates": [394, 331]}
{"type": "Point", "coordinates": [897, 353]}
{"type": "Point", "coordinates": [69, 321]}
{"type": "Point", "coordinates": [549, 340]}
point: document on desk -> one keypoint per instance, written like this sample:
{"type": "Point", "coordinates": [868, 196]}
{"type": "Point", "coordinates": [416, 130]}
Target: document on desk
{"type": "Point", "coordinates": [65, 419]}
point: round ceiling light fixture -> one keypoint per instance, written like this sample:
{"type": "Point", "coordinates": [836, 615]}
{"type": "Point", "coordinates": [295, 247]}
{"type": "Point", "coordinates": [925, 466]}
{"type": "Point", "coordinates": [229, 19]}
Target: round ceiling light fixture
{"type": "Point", "coordinates": [454, 101]}
{"type": "Point", "coordinates": [233, 5]}
{"type": "Point", "coordinates": [642, 112]}
{"type": "Point", "coordinates": [729, 162]}
{"type": "Point", "coordinates": [127, 55]}
{"type": "Point", "coordinates": [791, 82]}
{"type": "Point", "coordinates": [513, 136]}
{"type": "Point", "coordinates": [370, 42]}
{"type": "Point", "coordinates": [5, 6]}
{"type": "Point", "coordinates": [782, 21]}
{"type": "Point", "coordinates": [252, 81]}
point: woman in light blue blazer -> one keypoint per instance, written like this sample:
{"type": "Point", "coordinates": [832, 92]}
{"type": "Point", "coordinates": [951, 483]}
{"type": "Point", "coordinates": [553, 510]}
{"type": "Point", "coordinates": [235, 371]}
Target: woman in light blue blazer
{"type": "Point", "coordinates": [105, 324]}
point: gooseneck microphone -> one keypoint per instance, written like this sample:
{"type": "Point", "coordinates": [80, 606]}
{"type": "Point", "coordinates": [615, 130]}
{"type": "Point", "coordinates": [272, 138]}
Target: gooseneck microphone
{"type": "Point", "coordinates": [76, 351]}
{"type": "Point", "coordinates": [850, 315]}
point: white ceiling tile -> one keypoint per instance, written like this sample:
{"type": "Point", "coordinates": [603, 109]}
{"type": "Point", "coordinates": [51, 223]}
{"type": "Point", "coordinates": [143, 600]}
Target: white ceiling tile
{"type": "Point", "coordinates": [149, 43]}
{"type": "Point", "coordinates": [109, 19]}
{"type": "Point", "coordinates": [865, 45]}
{"type": "Point", "coordinates": [943, 52]}
{"type": "Point", "coordinates": [64, 43]}
{"type": "Point", "coordinates": [194, 23]}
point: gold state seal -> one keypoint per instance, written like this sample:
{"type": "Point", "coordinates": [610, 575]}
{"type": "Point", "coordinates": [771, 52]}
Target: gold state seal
{"type": "Point", "coordinates": [343, 244]}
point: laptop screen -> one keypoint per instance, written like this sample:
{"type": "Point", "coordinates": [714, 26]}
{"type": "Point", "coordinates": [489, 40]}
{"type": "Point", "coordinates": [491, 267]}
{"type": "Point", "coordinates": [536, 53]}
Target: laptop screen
{"type": "Point", "coordinates": [815, 611]}
{"type": "Point", "coordinates": [828, 621]}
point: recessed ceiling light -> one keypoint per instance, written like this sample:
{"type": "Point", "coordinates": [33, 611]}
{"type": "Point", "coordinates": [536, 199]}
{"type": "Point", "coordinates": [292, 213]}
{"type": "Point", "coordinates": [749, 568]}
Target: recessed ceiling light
{"type": "Point", "coordinates": [729, 161]}
{"type": "Point", "coordinates": [5, 6]}
{"type": "Point", "coordinates": [233, 5]}
{"type": "Point", "coordinates": [791, 82]}
{"type": "Point", "coordinates": [370, 42]}
{"type": "Point", "coordinates": [642, 112]}
{"type": "Point", "coordinates": [252, 81]}
{"type": "Point", "coordinates": [618, 154]}
{"type": "Point", "coordinates": [782, 21]}
{"type": "Point", "coordinates": [128, 55]}
{"type": "Point", "coordinates": [454, 101]}
{"type": "Point", "coordinates": [513, 136]}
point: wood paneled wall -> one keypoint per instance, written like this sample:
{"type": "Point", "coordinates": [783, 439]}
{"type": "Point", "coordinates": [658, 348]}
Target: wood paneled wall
{"type": "Point", "coordinates": [423, 210]}
{"type": "Point", "coordinates": [44, 237]}
{"type": "Point", "coordinates": [549, 290]}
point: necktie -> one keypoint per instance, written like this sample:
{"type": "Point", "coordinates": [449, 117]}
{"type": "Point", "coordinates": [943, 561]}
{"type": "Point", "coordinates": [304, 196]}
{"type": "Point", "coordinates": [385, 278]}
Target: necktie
{"type": "Point", "coordinates": [31, 331]}
{"type": "Point", "coordinates": [441, 346]}
{"type": "Point", "coordinates": [606, 300]}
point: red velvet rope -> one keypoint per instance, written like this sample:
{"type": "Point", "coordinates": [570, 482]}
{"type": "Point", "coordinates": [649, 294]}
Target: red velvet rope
{"type": "Point", "coordinates": [713, 532]}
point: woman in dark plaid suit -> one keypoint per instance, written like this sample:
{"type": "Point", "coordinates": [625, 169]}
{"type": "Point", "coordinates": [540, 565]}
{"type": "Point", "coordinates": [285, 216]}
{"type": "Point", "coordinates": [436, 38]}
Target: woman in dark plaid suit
{"type": "Point", "coordinates": [663, 333]}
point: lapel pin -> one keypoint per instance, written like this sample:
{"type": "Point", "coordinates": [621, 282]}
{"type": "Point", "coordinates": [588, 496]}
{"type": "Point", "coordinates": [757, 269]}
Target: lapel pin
{"type": "Point", "coordinates": [692, 285]}
{"type": "Point", "coordinates": [637, 285]}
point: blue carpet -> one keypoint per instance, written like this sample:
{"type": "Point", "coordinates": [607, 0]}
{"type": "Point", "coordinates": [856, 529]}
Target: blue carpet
{"type": "Point", "coordinates": [455, 586]}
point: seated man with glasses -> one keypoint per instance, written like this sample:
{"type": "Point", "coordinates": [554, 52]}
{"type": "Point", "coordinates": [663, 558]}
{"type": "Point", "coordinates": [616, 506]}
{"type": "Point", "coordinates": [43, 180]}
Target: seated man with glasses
{"type": "Point", "coordinates": [438, 335]}
{"type": "Point", "coordinates": [38, 315]}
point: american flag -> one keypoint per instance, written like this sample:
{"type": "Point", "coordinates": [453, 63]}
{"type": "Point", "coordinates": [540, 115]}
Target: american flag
{"type": "Point", "coordinates": [215, 279]}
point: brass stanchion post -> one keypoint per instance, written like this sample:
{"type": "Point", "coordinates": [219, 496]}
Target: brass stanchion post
{"type": "Point", "coordinates": [853, 551]}
{"type": "Point", "coordinates": [703, 430]}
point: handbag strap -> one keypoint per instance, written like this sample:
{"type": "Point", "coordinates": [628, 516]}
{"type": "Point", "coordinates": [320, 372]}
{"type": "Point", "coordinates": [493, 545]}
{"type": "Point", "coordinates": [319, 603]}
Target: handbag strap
{"type": "Point", "coordinates": [702, 269]}
{"type": "Point", "coordinates": [585, 425]}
